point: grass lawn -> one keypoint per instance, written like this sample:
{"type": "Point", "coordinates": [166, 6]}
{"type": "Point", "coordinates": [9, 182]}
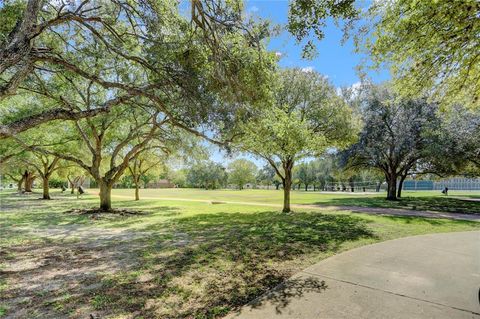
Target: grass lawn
{"type": "Point", "coordinates": [418, 200]}
{"type": "Point", "coordinates": [180, 259]}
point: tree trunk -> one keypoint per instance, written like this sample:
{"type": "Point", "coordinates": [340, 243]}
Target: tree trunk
{"type": "Point", "coordinates": [28, 179]}
{"type": "Point", "coordinates": [287, 185]}
{"type": "Point", "coordinates": [306, 187]}
{"type": "Point", "coordinates": [392, 187]}
{"type": "Point", "coordinates": [105, 196]}
{"type": "Point", "coordinates": [400, 186]}
{"type": "Point", "coordinates": [19, 184]}
{"type": "Point", "coordinates": [137, 192]}
{"type": "Point", "coordinates": [46, 190]}
{"type": "Point", "coordinates": [286, 198]}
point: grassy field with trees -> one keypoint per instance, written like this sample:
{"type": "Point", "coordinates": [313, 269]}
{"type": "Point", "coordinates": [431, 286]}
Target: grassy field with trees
{"type": "Point", "coordinates": [177, 258]}
{"type": "Point", "coordinates": [105, 102]}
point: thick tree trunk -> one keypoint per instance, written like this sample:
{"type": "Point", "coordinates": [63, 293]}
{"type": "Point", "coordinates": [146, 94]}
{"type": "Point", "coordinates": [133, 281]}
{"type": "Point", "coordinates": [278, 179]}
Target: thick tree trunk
{"type": "Point", "coordinates": [29, 184]}
{"type": "Point", "coordinates": [400, 185]}
{"type": "Point", "coordinates": [392, 187]}
{"type": "Point", "coordinates": [306, 187]}
{"type": "Point", "coordinates": [28, 178]}
{"type": "Point", "coordinates": [46, 190]}
{"type": "Point", "coordinates": [105, 196]}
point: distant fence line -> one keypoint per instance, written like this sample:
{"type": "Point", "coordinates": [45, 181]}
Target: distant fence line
{"type": "Point", "coordinates": [455, 183]}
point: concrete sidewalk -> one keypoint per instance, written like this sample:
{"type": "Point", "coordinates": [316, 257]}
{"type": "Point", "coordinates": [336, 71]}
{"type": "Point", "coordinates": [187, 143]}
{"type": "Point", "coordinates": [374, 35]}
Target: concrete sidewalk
{"type": "Point", "coordinates": [430, 276]}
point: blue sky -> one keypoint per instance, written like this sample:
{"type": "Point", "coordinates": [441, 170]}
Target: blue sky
{"type": "Point", "coordinates": [336, 61]}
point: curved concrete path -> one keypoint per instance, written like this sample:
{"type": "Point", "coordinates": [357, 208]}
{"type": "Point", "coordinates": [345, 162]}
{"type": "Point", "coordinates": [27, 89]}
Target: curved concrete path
{"type": "Point", "coordinates": [429, 276]}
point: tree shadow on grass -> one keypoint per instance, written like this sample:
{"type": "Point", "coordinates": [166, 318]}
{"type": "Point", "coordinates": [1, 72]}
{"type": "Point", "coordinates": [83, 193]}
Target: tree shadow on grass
{"type": "Point", "coordinates": [205, 266]}
{"type": "Point", "coordinates": [200, 266]}
{"type": "Point", "coordinates": [429, 203]}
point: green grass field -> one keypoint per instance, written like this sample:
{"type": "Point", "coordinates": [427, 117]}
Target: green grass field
{"type": "Point", "coordinates": [180, 258]}
{"type": "Point", "coordinates": [418, 200]}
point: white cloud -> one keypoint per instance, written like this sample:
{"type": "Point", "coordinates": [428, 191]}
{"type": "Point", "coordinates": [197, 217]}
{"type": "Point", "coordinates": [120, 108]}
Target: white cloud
{"type": "Point", "coordinates": [278, 54]}
{"type": "Point", "coordinates": [254, 9]}
{"type": "Point", "coordinates": [307, 69]}
{"type": "Point", "coordinates": [356, 87]}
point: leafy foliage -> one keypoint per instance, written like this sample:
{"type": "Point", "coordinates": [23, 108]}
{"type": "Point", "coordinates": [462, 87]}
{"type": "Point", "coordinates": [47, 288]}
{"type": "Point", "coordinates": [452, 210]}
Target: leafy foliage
{"type": "Point", "coordinates": [306, 118]}
{"type": "Point", "coordinates": [431, 47]}
{"type": "Point", "coordinates": [207, 174]}
{"type": "Point", "coordinates": [241, 172]}
{"type": "Point", "coordinates": [395, 136]}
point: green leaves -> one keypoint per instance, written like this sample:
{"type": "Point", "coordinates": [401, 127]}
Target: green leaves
{"type": "Point", "coordinates": [307, 118]}
{"type": "Point", "coordinates": [307, 18]}
{"type": "Point", "coordinates": [430, 46]}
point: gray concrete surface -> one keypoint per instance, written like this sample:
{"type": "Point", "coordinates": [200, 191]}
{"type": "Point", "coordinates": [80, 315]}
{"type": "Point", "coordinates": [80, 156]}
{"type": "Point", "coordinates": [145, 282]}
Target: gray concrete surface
{"type": "Point", "coordinates": [429, 276]}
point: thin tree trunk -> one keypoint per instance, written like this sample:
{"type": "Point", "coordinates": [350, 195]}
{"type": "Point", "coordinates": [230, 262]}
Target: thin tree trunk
{"type": "Point", "coordinates": [137, 187]}
{"type": "Point", "coordinates": [286, 198]}
{"type": "Point", "coordinates": [46, 190]}
{"type": "Point", "coordinates": [72, 185]}
{"type": "Point", "coordinates": [19, 184]}
{"type": "Point", "coordinates": [400, 185]}
{"type": "Point", "coordinates": [287, 185]}
{"type": "Point", "coordinates": [105, 196]}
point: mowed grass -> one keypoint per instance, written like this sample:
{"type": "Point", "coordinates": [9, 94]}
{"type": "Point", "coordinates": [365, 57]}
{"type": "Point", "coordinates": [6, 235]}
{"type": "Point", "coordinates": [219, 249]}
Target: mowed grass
{"type": "Point", "coordinates": [417, 200]}
{"type": "Point", "coordinates": [180, 259]}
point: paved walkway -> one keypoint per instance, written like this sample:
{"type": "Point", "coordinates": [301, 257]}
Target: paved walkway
{"type": "Point", "coordinates": [430, 276]}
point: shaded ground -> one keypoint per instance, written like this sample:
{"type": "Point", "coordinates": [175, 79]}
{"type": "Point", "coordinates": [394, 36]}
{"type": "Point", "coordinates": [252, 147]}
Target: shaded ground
{"type": "Point", "coordinates": [429, 203]}
{"type": "Point", "coordinates": [181, 260]}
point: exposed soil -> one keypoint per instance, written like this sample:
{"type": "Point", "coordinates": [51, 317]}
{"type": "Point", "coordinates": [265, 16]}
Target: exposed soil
{"type": "Point", "coordinates": [45, 279]}
{"type": "Point", "coordinates": [96, 213]}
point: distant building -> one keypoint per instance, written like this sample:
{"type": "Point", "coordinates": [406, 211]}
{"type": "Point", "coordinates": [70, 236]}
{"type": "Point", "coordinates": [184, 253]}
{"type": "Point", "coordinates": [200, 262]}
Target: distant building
{"type": "Point", "coordinates": [161, 183]}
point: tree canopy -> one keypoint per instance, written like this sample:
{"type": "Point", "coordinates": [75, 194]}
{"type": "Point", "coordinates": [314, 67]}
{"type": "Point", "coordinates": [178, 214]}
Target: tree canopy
{"type": "Point", "coordinates": [430, 46]}
{"type": "Point", "coordinates": [241, 172]}
{"type": "Point", "coordinates": [305, 118]}
{"type": "Point", "coordinates": [395, 136]}
{"type": "Point", "coordinates": [190, 68]}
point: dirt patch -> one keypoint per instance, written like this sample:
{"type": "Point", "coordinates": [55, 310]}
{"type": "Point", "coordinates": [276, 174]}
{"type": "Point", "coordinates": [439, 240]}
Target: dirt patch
{"type": "Point", "coordinates": [53, 280]}
{"type": "Point", "coordinates": [96, 213]}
